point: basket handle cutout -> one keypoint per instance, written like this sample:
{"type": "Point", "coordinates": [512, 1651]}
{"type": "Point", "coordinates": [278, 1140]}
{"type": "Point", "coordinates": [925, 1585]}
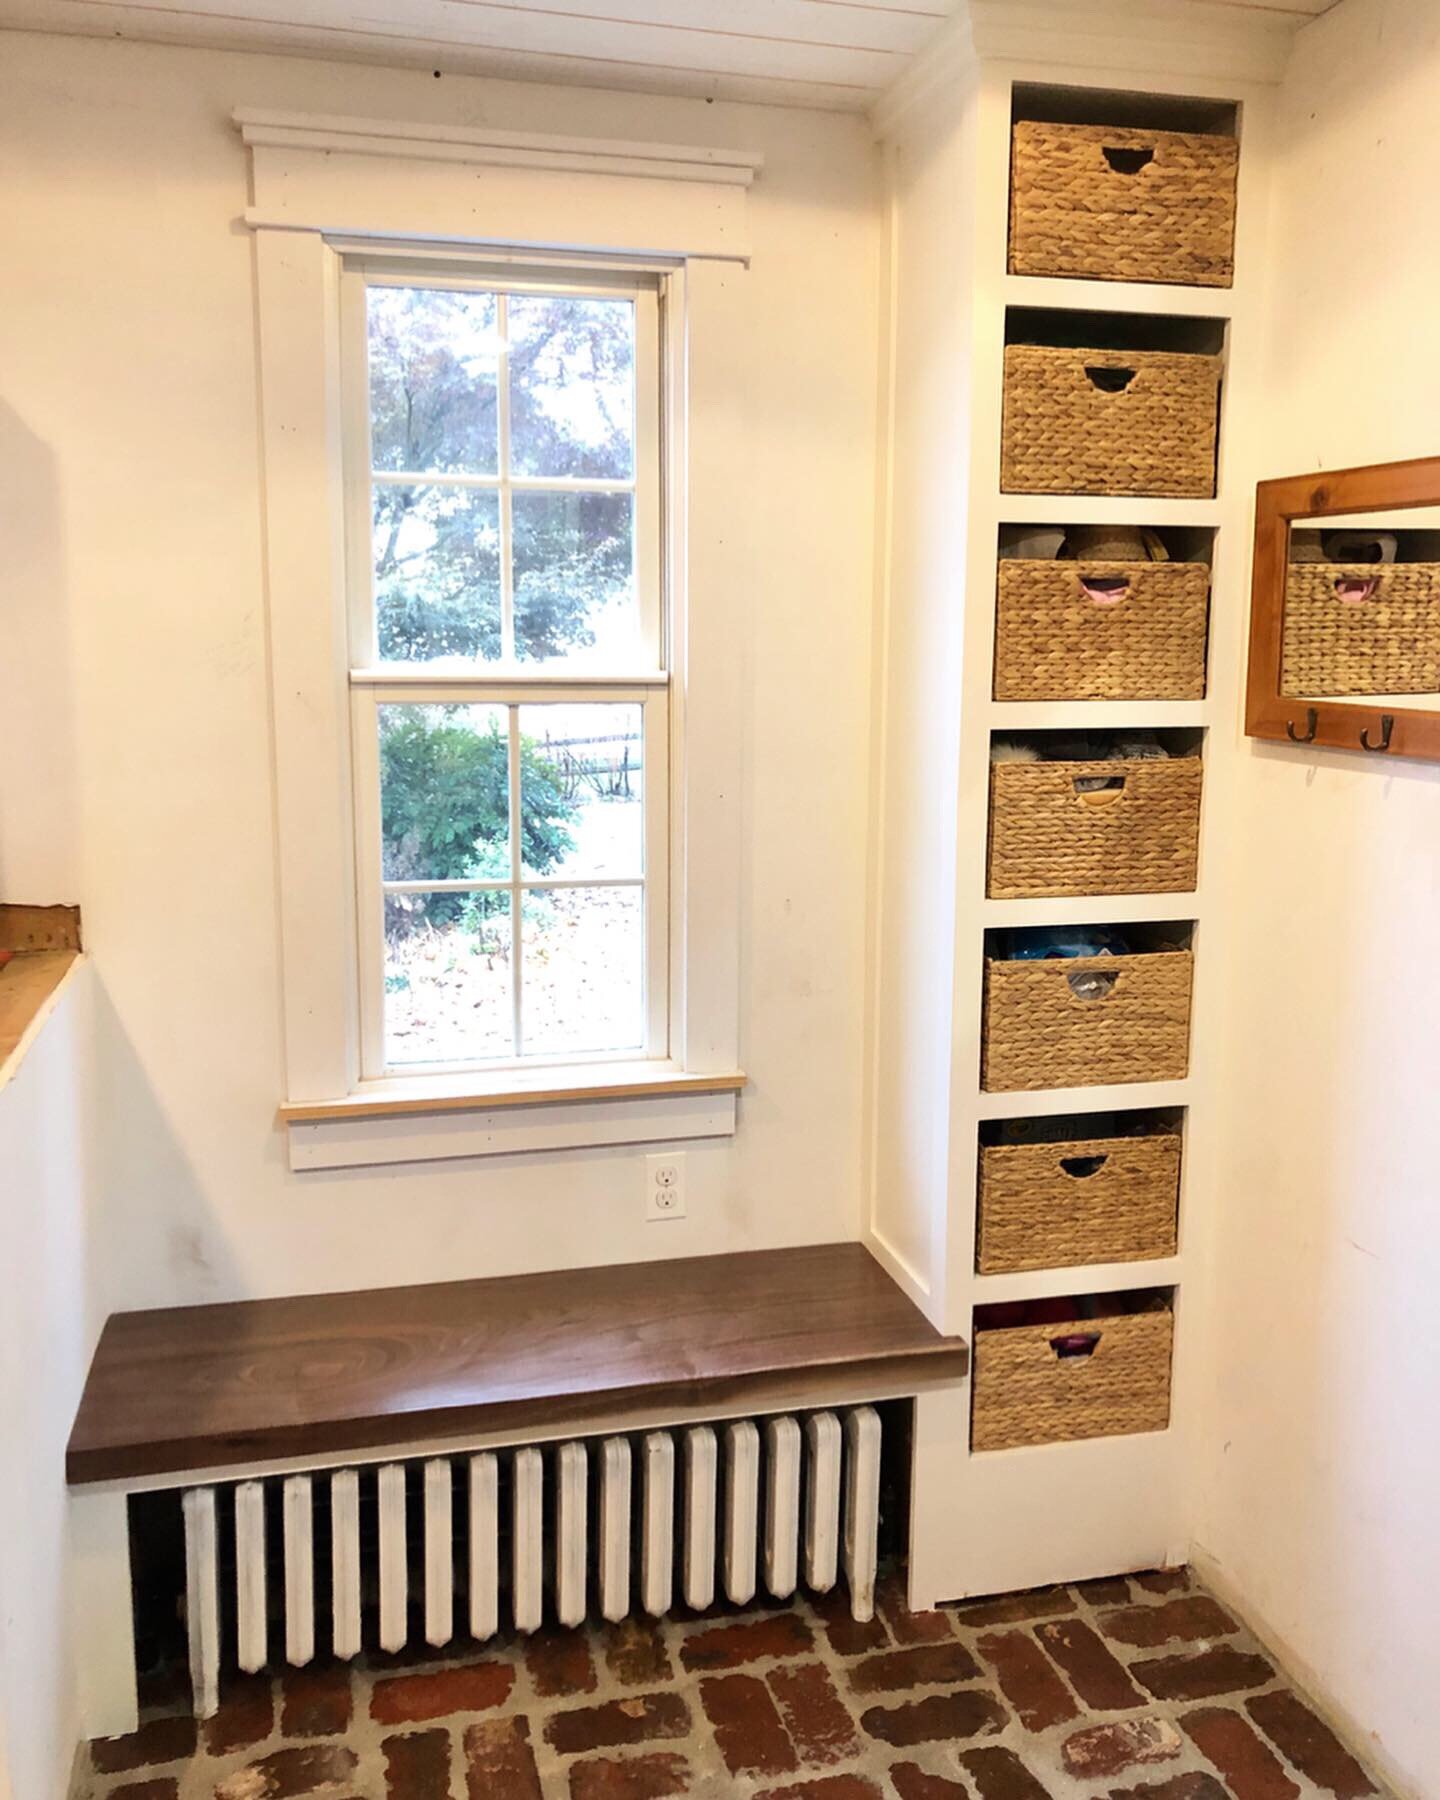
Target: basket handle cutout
{"type": "Point", "coordinates": [1104, 590]}
{"type": "Point", "coordinates": [1127, 161]}
{"type": "Point", "coordinates": [1355, 590]}
{"type": "Point", "coordinates": [1082, 1167]}
{"type": "Point", "coordinates": [1093, 984]}
{"type": "Point", "coordinates": [1073, 1344]}
{"type": "Point", "coordinates": [1106, 795]}
{"type": "Point", "coordinates": [1109, 381]}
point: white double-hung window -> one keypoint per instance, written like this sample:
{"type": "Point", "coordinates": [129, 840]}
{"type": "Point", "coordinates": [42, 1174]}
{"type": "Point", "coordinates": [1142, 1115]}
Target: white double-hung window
{"type": "Point", "coordinates": [509, 709]}
{"type": "Point", "coordinates": [504, 435]}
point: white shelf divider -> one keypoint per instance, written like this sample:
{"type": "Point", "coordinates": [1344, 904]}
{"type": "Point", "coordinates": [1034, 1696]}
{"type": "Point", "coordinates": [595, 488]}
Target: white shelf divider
{"type": "Point", "coordinates": [1098, 715]}
{"type": "Point", "coordinates": [1039, 1103]}
{"type": "Point", "coordinates": [1090, 1278]}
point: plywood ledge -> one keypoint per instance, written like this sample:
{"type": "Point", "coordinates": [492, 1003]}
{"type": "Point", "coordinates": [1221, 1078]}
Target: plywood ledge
{"type": "Point", "coordinates": [29, 984]}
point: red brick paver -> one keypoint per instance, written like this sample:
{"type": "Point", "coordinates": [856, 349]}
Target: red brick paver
{"type": "Point", "coordinates": [747, 1725]}
{"type": "Point", "coordinates": [1133, 1687]}
{"type": "Point", "coordinates": [1310, 1744]}
{"type": "Point", "coordinates": [653, 1777]}
{"type": "Point", "coordinates": [1028, 1679]}
{"type": "Point", "coordinates": [499, 1760]}
{"type": "Point", "coordinates": [1249, 1768]}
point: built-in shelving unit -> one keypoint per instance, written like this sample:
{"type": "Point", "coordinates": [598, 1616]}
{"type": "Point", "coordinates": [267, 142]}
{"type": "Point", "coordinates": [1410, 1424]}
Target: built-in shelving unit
{"type": "Point", "coordinates": [986, 1522]}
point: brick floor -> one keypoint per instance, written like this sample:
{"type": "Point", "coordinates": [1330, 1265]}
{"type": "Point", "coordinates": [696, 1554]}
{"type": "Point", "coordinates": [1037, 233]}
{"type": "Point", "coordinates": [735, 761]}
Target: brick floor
{"type": "Point", "coordinates": [1129, 1688]}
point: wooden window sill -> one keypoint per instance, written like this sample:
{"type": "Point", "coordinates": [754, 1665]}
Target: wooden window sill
{"type": "Point", "coordinates": [549, 1109]}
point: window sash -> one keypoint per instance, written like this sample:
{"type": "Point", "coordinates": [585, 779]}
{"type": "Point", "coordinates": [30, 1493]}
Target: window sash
{"type": "Point", "coordinates": [654, 883]}
{"type": "Point", "coordinates": [360, 478]}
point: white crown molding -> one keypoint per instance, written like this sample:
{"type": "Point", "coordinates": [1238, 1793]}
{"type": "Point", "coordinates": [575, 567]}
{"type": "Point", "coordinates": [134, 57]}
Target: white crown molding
{"type": "Point", "coordinates": [1199, 39]}
{"type": "Point", "coordinates": [504, 149]}
{"type": "Point", "coordinates": [938, 70]}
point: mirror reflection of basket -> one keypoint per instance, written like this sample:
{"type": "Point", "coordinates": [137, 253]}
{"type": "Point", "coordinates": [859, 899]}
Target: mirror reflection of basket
{"type": "Point", "coordinates": [1361, 628]}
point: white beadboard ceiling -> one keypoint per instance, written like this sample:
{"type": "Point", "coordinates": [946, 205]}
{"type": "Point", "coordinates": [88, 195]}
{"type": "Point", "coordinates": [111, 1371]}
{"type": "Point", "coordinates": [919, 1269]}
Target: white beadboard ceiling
{"type": "Point", "coordinates": [837, 54]}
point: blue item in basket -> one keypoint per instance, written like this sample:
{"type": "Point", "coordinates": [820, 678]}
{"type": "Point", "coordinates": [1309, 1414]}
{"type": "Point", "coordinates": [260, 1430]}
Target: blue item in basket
{"type": "Point", "coordinates": [1066, 941]}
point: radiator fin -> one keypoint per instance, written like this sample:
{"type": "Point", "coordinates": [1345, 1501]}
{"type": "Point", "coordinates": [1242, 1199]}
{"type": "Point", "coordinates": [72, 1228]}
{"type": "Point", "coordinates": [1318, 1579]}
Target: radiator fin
{"type": "Point", "coordinates": [700, 1472]}
{"type": "Point", "coordinates": [394, 1558]}
{"type": "Point", "coordinates": [657, 1536]}
{"type": "Point", "coordinates": [439, 1552]}
{"type": "Point", "coordinates": [862, 1507]}
{"type": "Point", "coordinates": [705, 1509]}
{"type": "Point", "coordinates": [484, 1545]}
{"type": "Point", "coordinates": [742, 1509]}
{"type": "Point", "coordinates": [299, 1571]}
{"type": "Point", "coordinates": [252, 1646]}
{"type": "Point", "coordinates": [527, 1538]}
{"type": "Point", "coordinates": [822, 1501]}
{"type": "Point", "coordinates": [614, 1528]}
{"type": "Point", "coordinates": [202, 1598]}
{"type": "Point", "coordinates": [345, 1563]}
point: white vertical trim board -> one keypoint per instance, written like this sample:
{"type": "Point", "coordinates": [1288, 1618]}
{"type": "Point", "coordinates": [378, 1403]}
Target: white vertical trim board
{"type": "Point", "coordinates": [102, 1619]}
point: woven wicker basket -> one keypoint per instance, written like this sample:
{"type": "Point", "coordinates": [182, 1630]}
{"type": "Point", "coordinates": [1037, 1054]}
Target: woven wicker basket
{"type": "Point", "coordinates": [1055, 641]}
{"type": "Point", "coordinates": [1049, 837]}
{"type": "Point", "coordinates": [1091, 1200]}
{"type": "Point", "coordinates": [1034, 1386]}
{"type": "Point", "coordinates": [1109, 422]}
{"type": "Point", "coordinates": [1387, 644]}
{"type": "Point", "coordinates": [1039, 1033]}
{"type": "Point", "coordinates": [1122, 205]}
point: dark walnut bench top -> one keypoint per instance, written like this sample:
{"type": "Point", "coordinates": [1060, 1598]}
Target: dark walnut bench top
{"type": "Point", "coordinates": [206, 1387]}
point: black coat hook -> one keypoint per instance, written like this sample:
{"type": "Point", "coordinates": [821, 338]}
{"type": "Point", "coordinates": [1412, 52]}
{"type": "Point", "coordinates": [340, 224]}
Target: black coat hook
{"type": "Point", "coordinates": [1387, 725]}
{"type": "Point", "coordinates": [1312, 722]}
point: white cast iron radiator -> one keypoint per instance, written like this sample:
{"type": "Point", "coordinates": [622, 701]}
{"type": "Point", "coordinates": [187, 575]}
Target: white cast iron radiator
{"type": "Point", "coordinates": [580, 1529]}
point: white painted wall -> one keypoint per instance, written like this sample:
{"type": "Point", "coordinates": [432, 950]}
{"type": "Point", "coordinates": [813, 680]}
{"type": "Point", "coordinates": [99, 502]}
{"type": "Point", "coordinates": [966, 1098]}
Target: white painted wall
{"type": "Point", "coordinates": [49, 1318]}
{"type": "Point", "coordinates": [1320, 1503]}
{"type": "Point", "coordinates": [128, 283]}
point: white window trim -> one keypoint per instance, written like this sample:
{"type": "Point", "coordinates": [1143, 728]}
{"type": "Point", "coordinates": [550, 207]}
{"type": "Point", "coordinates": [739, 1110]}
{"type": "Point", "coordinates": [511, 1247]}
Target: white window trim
{"type": "Point", "coordinates": [336, 1118]}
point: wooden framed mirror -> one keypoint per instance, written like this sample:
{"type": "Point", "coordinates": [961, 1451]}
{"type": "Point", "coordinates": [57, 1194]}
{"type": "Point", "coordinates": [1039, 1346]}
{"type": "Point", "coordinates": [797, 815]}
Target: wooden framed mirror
{"type": "Point", "coordinates": [1345, 610]}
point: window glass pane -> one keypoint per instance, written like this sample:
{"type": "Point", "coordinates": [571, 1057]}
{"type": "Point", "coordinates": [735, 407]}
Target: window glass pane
{"type": "Point", "coordinates": [581, 792]}
{"type": "Point", "coordinates": [447, 978]}
{"type": "Point", "coordinates": [437, 573]}
{"type": "Point", "coordinates": [582, 976]}
{"type": "Point", "coordinates": [575, 578]}
{"type": "Point", "coordinates": [572, 386]}
{"type": "Point", "coordinates": [444, 794]}
{"type": "Point", "coordinates": [434, 357]}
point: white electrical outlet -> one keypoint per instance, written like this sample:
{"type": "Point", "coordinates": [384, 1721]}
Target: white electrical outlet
{"type": "Point", "coordinates": [665, 1186]}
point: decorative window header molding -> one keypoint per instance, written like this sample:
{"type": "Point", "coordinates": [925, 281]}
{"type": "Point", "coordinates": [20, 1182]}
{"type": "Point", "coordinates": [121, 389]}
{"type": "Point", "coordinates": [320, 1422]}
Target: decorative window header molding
{"type": "Point", "coordinates": [507, 149]}
{"type": "Point", "coordinates": [476, 184]}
